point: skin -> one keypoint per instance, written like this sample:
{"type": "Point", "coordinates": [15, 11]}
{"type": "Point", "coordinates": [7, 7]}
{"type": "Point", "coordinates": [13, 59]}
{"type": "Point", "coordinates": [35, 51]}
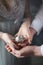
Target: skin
{"type": "Point", "coordinates": [25, 51]}
{"type": "Point", "coordinates": [29, 33]}
{"type": "Point", "coordinates": [24, 26]}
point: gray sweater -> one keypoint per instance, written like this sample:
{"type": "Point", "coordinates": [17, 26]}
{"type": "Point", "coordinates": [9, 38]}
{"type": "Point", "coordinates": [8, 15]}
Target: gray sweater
{"type": "Point", "coordinates": [13, 11]}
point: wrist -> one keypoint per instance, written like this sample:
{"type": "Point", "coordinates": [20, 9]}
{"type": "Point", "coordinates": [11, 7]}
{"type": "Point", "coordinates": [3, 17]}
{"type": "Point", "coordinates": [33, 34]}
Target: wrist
{"type": "Point", "coordinates": [27, 21]}
{"type": "Point", "coordinates": [37, 51]}
{"type": "Point", "coordinates": [33, 32]}
{"type": "Point", "coordinates": [41, 47]}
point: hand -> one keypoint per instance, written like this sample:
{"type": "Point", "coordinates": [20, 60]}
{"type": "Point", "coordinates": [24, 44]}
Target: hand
{"type": "Point", "coordinates": [8, 40]}
{"type": "Point", "coordinates": [26, 51]}
{"type": "Point", "coordinates": [26, 31]}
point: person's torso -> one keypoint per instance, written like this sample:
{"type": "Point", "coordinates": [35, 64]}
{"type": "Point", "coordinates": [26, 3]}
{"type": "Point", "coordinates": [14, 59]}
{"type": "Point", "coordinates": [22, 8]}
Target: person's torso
{"type": "Point", "coordinates": [12, 9]}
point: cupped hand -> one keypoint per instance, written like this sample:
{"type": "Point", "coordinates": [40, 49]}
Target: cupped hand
{"type": "Point", "coordinates": [7, 38]}
{"type": "Point", "coordinates": [24, 52]}
{"type": "Point", "coordinates": [25, 31]}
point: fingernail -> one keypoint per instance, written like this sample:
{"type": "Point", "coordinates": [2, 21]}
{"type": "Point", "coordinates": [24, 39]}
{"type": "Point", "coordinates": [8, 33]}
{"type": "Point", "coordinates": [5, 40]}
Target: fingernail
{"type": "Point", "coordinates": [11, 50]}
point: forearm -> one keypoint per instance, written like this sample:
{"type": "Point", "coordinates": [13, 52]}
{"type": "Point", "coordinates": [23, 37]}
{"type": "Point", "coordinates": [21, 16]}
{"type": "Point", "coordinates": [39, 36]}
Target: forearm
{"type": "Point", "coordinates": [36, 50]}
{"type": "Point", "coordinates": [27, 21]}
{"type": "Point", "coordinates": [31, 51]}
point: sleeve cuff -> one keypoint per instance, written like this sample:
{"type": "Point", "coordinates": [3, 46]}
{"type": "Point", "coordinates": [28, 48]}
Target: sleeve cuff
{"type": "Point", "coordinates": [37, 25]}
{"type": "Point", "coordinates": [41, 47]}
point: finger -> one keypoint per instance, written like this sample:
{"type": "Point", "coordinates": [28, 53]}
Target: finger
{"type": "Point", "coordinates": [13, 45]}
{"type": "Point", "coordinates": [29, 41]}
{"type": "Point", "coordinates": [23, 44]}
{"type": "Point", "coordinates": [16, 35]}
{"type": "Point", "coordinates": [16, 55]}
{"type": "Point", "coordinates": [19, 56]}
{"type": "Point", "coordinates": [8, 48]}
{"type": "Point", "coordinates": [7, 45]}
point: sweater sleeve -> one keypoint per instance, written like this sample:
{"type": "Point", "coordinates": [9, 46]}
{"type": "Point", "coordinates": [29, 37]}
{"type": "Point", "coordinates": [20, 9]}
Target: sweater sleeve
{"type": "Point", "coordinates": [37, 23]}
